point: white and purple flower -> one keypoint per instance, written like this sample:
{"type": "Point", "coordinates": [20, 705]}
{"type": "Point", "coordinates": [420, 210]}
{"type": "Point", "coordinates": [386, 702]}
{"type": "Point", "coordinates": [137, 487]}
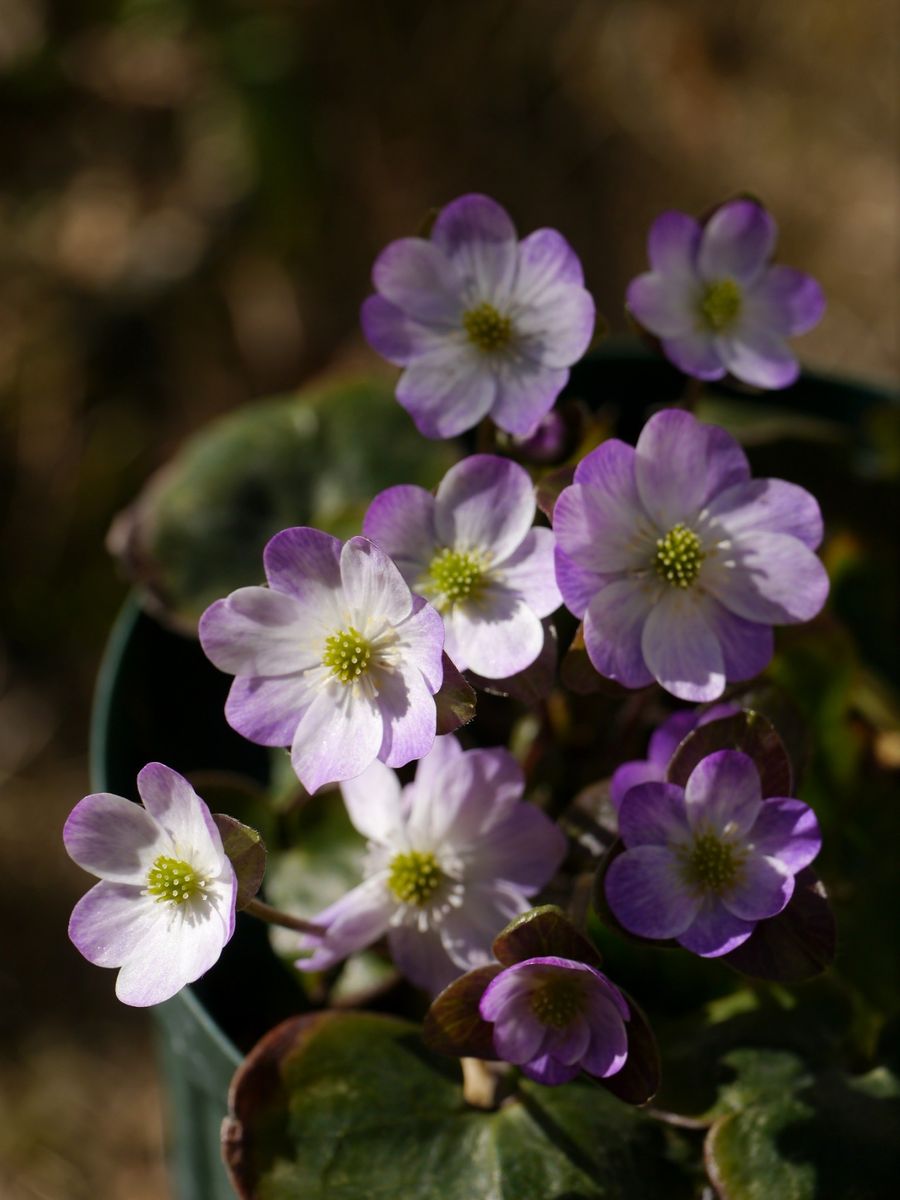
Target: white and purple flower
{"type": "Point", "coordinates": [336, 658]}
{"type": "Point", "coordinates": [452, 858]}
{"type": "Point", "coordinates": [705, 863]}
{"type": "Point", "coordinates": [483, 324]}
{"type": "Point", "coordinates": [471, 550]}
{"type": "Point", "coordinates": [664, 741]}
{"type": "Point", "coordinates": [164, 907]}
{"type": "Point", "coordinates": [680, 563]}
{"type": "Point", "coordinates": [554, 1017]}
{"type": "Point", "coordinates": [715, 301]}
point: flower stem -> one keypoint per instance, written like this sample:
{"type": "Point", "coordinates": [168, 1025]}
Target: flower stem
{"type": "Point", "coordinates": [274, 916]}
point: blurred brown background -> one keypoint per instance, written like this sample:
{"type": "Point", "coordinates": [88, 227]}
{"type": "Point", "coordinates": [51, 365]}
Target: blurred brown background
{"type": "Point", "coordinates": [191, 196]}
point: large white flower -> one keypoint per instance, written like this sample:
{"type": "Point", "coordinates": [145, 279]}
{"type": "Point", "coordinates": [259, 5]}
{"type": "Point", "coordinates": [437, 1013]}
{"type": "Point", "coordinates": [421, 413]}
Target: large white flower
{"type": "Point", "coordinates": [452, 858]}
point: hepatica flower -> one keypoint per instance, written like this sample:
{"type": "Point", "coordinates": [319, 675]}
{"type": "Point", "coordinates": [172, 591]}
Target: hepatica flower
{"type": "Point", "coordinates": [664, 741]}
{"type": "Point", "coordinates": [471, 550]}
{"type": "Point", "coordinates": [336, 658]}
{"type": "Point", "coordinates": [452, 858]}
{"type": "Point", "coordinates": [482, 323]}
{"type": "Point", "coordinates": [717, 303]}
{"type": "Point", "coordinates": [705, 863]}
{"type": "Point", "coordinates": [554, 1017]}
{"type": "Point", "coordinates": [679, 562]}
{"type": "Point", "coordinates": [164, 906]}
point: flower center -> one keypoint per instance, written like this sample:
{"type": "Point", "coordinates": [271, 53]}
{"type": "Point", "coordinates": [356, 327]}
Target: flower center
{"type": "Point", "coordinates": [456, 575]}
{"type": "Point", "coordinates": [486, 328]}
{"type": "Point", "coordinates": [174, 880]}
{"type": "Point", "coordinates": [414, 877]}
{"type": "Point", "coordinates": [678, 556]}
{"type": "Point", "coordinates": [710, 864]}
{"type": "Point", "coordinates": [558, 1000]}
{"type": "Point", "coordinates": [721, 304]}
{"type": "Point", "coordinates": [348, 654]}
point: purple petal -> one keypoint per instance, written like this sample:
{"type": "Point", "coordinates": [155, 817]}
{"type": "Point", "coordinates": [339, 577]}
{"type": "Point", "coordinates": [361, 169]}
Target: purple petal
{"type": "Point", "coordinates": [410, 717]}
{"type": "Point", "coordinates": [431, 769]}
{"type": "Point", "coordinates": [570, 1044]}
{"type": "Point", "coordinates": [673, 242]}
{"type": "Point", "coordinates": [267, 711]}
{"type": "Point", "coordinates": [524, 849]}
{"type": "Point", "coordinates": [112, 921]}
{"type": "Point", "coordinates": [599, 521]}
{"type": "Point", "coordinates": [646, 892]}
{"type": "Point", "coordinates": [113, 838]}
{"type": "Point", "coordinates": [338, 736]}
{"type": "Point", "coordinates": [529, 573]}
{"type": "Point", "coordinates": [629, 775]}
{"type": "Point", "coordinates": [305, 563]}
{"type": "Point", "coordinates": [394, 334]}
{"type": "Point", "coordinates": [176, 807]}
{"type": "Point", "coordinates": [771, 578]}
{"type": "Point", "coordinates": [758, 356]}
{"type": "Point", "coordinates": [549, 1070]}
{"type": "Point", "coordinates": [653, 814]}
{"type": "Point", "coordinates": [258, 631]}
{"type": "Point", "coordinates": [613, 629]}
{"type": "Point", "coordinates": [415, 276]}
{"type": "Point", "coordinates": [476, 234]}
{"type": "Point", "coordinates": [556, 330]}
{"type": "Point", "coordinates": [357, 920]}
{"type": "Point", "coordinates": [747, 647]}
{"type": "Point", "coordinates": [786, 830]}
{"type": "Point", "coordinates": [374, 802]}
{"type": "Point", "coordinates": [666, 306]}
{"type": "Point", "coordinates": [723, 794]}
{"type": "Point", "coordinates": [401, 521]}
{"type": "Point", "coordinates": [715, 930]}
{"type": "Point", "coordinates": [495, 636]}
{"type": "Point", "coordinates": [736, 243]}
{"type": "Point", "coordinates": [420, 642]}
{"type": "Point", "coordinates": [420, 956]}
{"type": "Point", "coordinates": [680, 647]}
{"type": "Point", "coordinates": [762, 890]}
{"type": "Point", "coordinates": [578, 585]}
{"type": "Point", "coordinates": [373, 586]}
{"type": "Point", "coordinates": [785, 300]}
{"type": "Point", "coordinates": [608, 1047]}
{"type": "Point", "coordinates": [668, 737]}
{"type": "Point", "coordinates": [518, 1035]}
{"type": "Point", "coordinates": [467, 933]}
{"type": "Point", "coordinates": [695, 354]}
{"type": "Point", "coordinates": [447, 390]}
{"type": "Point", "coordinates": [526, 391]}
{"type": "Point", "coordinates": [766, 505]}
{"type": "Point", "coordinates": [681, 462]}
{"type": "Point", "coordinates": [505, 990]}
{"type": "Point", "coordinates": [484, 503]}
{"type": "Point", "coordinates": [455, 798]}
{"type": "Point", "coordinates": [546, 260]}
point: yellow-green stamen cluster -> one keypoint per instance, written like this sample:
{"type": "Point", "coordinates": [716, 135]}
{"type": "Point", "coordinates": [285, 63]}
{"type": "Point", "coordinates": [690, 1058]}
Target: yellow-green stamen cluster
{"type": "Point", "coordinates": [348, 654]}
{"type": "Point", "coordinates": [678, 556]}
{"type": "Point", "coordinates": [558, 1000]}
{"type": "Point", "coordinates": [710, 865]}
{"type": "Point", "coordinates": [721, 305]}
{"type": "Point", "coordinates": [414, 877]}
{"type": "Point", "coordinates": [455, 575]}
{"type": "Point", "coordinates": [173, 879]}
{"type": "Point", "coordinates": [486, 328]}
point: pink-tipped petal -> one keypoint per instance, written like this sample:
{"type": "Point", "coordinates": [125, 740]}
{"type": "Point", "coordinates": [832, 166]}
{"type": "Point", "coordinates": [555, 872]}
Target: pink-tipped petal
{"type": "Point", "coordinates": [373, 586]}
{"type": "Point", "coordinates": [529, 572]}
{"type": "Point", "coordinates": [415, 276]}
{"type": "Point", "coordinates": [410, 717]}
{"type": "Point", "coordinates": [478, 237]}
{"type": "Point", "coordinates": [447, 390]}
{"type": "Point", "coordinates": [771, 578]}
{"type": "Point", "coordinates": [485, 504]}
{"type": "Point", "coordinates": [268, 711]}
{"type": "Point", "coordinates": [785, 300]}
{"type": "Point", "coordinates": [736, 243]}
{"type": "Point", "coordinates": [526, 390]}
{"type": "Point", "coordinates": [258, 631]}
{"type": "Point", "coordinates": [760, 357]}
{"type": "Point", "coordinates": [113, 838]}
{"type": "Point", "coordinates": [373, 801]}
{"type": "Point", "coordinates": [681, 649]}
{"type": "Point", "coordinates": [765, 506]}
{"type": "Point", "coordinates": [175, 806]}
{"type": "Point", "coordinates": [672, 244]}
{"type": "Point", "coordinates": [338, 736]}
{"type": "Point", "coordinates": [401, 521]}
{"type": "Point", "coordinates": [665, 305]}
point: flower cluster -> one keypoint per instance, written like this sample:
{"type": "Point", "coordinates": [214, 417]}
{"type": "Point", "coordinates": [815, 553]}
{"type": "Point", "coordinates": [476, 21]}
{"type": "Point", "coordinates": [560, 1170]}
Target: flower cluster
{"type": "Point", "coordinates": [678, 563]}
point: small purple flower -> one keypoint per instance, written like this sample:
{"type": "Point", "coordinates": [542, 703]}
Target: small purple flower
{"type": "Point", "coordinates": [679, 562]}
{"type": "Point", "coordinates": [705, 863]}
{"type": "Point", "coordinates": [554, 1017]}
{"type": "Point", "coordinates": [482, 323]}
{"type": "Point", "coordinates": [452, 858]}
{"type": "Point", "coordinates": [164, 907]}
{"type": "Point", "coordinates": [336, 658]}
{"type": "Point", "coordinates": [664, 741]}
{"type": "Point", "coordinates": [471, 550]}
{"type": "Point", "coordinates": [715, 301]}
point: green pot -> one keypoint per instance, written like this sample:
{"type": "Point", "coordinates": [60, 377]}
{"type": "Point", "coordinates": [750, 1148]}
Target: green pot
{"type": "Point", "coordinates": [159, 699]}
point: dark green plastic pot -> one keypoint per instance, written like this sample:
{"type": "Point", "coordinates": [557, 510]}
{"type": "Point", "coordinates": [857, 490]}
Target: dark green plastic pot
{"type": "Point", "coordinates": [158, 698]}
